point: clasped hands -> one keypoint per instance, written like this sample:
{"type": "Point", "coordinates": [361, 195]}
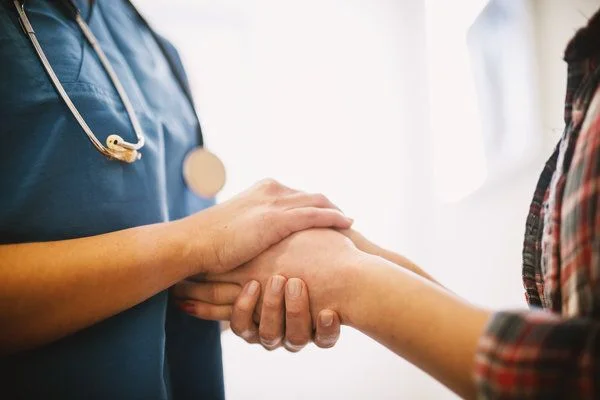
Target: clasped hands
{"type": "Point", "coordinates": [255, 257]}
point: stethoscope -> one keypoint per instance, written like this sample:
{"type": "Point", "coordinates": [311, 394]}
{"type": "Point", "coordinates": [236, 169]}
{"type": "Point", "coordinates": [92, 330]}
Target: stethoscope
{"type": "Point", "coordinates": [203, 171]}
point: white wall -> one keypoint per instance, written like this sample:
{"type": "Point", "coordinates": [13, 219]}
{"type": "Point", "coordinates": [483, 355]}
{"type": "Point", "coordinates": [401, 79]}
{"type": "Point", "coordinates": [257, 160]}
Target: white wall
{"type": "Point", "coordinates": [314, 93]}
{"type": "Point", "coordinates": [493, 219]}
{"type": "Point", "coordinates": [557, 22]}
{"type": "Point", "coordinates": [481, 236]}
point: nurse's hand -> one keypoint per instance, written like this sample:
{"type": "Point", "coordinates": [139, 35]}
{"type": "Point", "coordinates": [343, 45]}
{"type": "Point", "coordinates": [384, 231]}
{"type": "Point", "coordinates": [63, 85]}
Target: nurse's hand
{"type": "Point", "coordinates": [283, 320]}
{"type": "Point", "coordinates": [363, 244]}
{"type": "Point", "coordinates": [232, 233]}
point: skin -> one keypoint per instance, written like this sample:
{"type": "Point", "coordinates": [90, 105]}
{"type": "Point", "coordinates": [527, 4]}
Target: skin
{"type": "Point", "coordinates": [408, 313]}
{"type": "Point", "coordinates": [285, 322]}
{"type": "Point", "coordinates": [83, 281]}
{"type": "Point", "coordinates": [365, 245]}
{"type": "Point", "coordinates": [228, 302]}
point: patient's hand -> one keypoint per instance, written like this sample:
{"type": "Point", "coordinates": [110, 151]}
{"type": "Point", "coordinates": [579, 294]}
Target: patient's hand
{"type": "Point", "coordinates": [323, 258]}
{"type": "Point", "coordinates": [285, 320]}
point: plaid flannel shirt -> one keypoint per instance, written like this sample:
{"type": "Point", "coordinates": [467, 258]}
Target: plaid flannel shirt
{"type": "Point", "coordinates": [554, 353]}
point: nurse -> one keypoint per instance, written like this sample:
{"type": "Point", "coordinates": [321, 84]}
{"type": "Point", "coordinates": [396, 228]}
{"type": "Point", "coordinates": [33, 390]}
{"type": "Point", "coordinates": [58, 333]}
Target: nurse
{"type": "Point", "coordinates": [94, 231]}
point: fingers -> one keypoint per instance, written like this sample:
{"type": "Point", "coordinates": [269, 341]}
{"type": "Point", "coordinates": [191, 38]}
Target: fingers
{"type": "Point", "coordinates": [298, 323]}
{"type": "Point", "coordinates": [205, 300]}
{"type": "Point", "coordinates": [328, 329]}
{"type": "Point", "coordinates": [205, 311]}
{"type": "Point", "coordinates": [314, 217]}
{"type": "Point", "coordinates": [242, 323]}
{"type": "Point", "coordinates": [361, 242]}
{"type": "Point", "coordinates": [302, 199]}
{"type": "Point", "coordinates": [207, 292]}
{"type": "Point", "coordinates": [309, 205]}
{"type": "Point", "coordinates": [272, 323]}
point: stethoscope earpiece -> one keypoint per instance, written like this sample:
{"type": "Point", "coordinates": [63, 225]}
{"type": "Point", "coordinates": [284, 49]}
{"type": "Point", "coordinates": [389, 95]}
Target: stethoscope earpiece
{"type": "Point", "coordinates": [202, 170]}
{"type": "Point", "coordinates": [122, 150]}
{"type": "Point", "coordinates": [116, 147]}
{"type": "Point", "coordinates": [115, 140]}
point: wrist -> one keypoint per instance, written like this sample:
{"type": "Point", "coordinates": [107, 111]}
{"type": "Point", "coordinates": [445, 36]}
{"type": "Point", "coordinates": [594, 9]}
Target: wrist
{"type": "Point", "coordinates": [357, 297]}
{"type": "Point", "coordinates": [188, 246]}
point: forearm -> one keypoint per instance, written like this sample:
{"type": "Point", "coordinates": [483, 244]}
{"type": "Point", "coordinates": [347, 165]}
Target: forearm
{"type": "Point", "coordinates": [420, 321]}
{"type": "Point", "coordinates": [49, 290]}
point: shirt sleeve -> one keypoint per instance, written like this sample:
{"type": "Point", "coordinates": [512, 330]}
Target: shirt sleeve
{"type": "Point", "coordinates": [538, 355]}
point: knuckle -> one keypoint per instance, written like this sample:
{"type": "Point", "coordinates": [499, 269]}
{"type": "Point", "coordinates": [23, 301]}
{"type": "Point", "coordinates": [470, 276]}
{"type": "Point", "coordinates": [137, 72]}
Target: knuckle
{"type": "Point", "coordinates": [272, 304]}
{"type": "Point", "coordinates": [243, 307]}
{"type": "Point", "coordinates": [270, 185]}
{"type": "Point", "coordinates": [294, 312]}
{"type": "Point", "coordinates": [214, 294]}
{"type": "Point", "coordinates": [321, 199]}
{"type": "Point", "coordinates": [268, 182]}
{"type": "Point", "coordinates": [313, 213]}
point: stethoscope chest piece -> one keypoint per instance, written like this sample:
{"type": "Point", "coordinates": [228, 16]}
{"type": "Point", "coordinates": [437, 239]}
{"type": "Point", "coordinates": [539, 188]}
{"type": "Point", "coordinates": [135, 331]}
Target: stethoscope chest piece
{"type": "Point", "coordinates": [203, 172]}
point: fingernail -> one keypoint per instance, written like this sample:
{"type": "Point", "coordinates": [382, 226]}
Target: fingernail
{"type": "Point", "coordinates": [277, 283]}
{"type": "Point", "coordinates": [326, 318]}
{"type": "Point", "coordinates": [292, 347]}
{"type": "Point", "coordinates": [187, 307]}
{"type": "Point", "coordinates": [252, 288]}
{"type": "Point", "coordinates": [294, 287]}
{"type": "Point", "coordinates": [325, 342]}
{"type": "Point", "coordinates": [247, 334]}
{"type": "Point", "coordinates": [271, 344]}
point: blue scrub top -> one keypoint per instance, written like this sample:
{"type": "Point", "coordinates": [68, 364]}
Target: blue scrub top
{"type": "Point", "coordinates": [54, 185]}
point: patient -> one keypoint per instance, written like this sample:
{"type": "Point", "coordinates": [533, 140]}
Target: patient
{"type": "Point", "coordinates": [397, 307]}
{"type": "Point", "coordinates": [535, 354]}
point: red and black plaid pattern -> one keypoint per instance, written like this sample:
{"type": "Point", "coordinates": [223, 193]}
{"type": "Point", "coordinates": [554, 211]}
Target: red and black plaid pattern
{"type": "Point", "coordinates": [555, 353]}
{"type": "Point", "coordinates": [537, 355]}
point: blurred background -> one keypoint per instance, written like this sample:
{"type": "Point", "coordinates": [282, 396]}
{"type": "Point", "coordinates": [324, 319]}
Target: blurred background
{"type": "Point", "coordinates": [427, 121]}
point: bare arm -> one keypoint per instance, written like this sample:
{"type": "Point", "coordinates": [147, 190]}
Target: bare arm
{"type": "Point", "coordinates": [420, 321]}
{"type": "Point", "coordinates": [412, 316]}
{"type": "Point", "coordinates": [50, 290]}
{"type": "Point", "coordinates": [476, 353]}
{"type": "Point", "coordinates": [471, 350]}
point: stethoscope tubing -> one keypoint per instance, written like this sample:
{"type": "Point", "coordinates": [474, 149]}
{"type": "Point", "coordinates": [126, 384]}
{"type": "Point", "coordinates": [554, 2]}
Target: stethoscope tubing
{"type": "Point", "coordinates": [116, 147]}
